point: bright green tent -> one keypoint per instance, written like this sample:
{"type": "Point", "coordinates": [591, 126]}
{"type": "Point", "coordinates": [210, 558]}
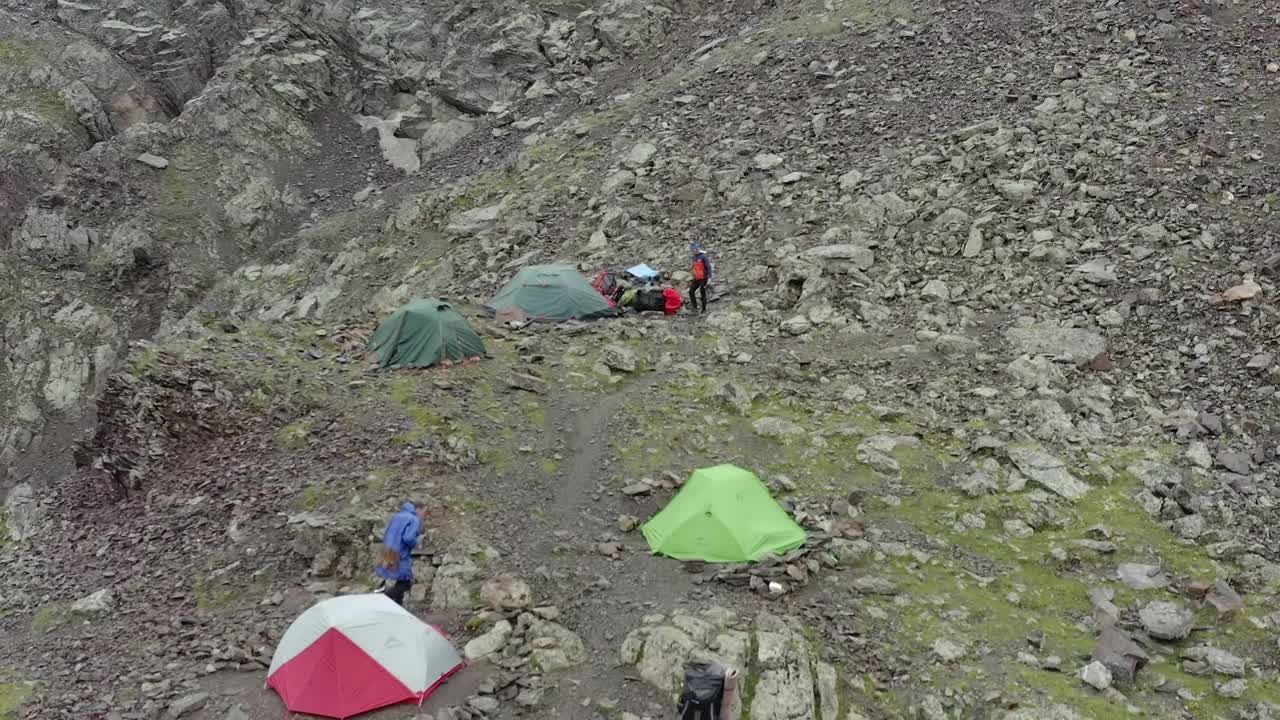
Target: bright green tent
{"type": "Point", "coordinates": [724, 514]}
{"type": "Point", "coordinates": [423, 333]}
{"type": "Point", "coordinates": [553, 293]}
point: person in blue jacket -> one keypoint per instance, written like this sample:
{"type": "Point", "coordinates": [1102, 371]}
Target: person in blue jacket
{"type": "Point", "coordinates": [395, 564]}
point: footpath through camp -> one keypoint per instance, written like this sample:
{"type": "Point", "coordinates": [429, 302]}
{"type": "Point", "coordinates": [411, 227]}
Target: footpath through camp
{"type": "Point", "coordinates": [979, 419]}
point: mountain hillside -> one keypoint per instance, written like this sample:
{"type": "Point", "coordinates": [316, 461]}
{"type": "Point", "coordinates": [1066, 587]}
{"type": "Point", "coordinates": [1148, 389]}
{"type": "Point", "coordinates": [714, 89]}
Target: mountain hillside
{"type": "Point", "coordinates": [993, 316]}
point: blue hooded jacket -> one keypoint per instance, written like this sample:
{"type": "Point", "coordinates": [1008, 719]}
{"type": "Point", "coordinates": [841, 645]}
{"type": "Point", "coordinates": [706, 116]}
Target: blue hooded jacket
{"type": "Point", "coordinates": [402, 536]}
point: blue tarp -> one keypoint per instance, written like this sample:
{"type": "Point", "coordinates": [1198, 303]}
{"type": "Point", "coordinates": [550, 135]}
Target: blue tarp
{"type": "Point", "coordinates": [642, 271]}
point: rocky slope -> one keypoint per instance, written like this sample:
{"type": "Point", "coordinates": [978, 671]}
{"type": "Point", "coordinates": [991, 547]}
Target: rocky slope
{"type": "Point", "coordinates": [995, 318]}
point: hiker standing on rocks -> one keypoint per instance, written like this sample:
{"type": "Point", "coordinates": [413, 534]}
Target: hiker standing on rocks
{"type": "Point", "coordinates": [702, 271]}
{"type": "Point", "coordinates": [395, 562]}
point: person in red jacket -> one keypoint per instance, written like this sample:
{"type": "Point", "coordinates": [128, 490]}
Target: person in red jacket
{"type": "Point", "coordinates": [702, 270]}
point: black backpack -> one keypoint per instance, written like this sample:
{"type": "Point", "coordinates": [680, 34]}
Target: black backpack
{"type": "Point", "coordinates": [703, 692]}
{"type": "Point", "coordinates": [650, 299]}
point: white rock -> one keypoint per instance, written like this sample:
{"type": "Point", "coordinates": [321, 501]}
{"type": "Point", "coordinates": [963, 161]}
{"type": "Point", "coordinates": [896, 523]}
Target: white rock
{"type": "Point", "coordinates": [95, 604]}
{"type": "Point", "coordinates": [766, 161]}
{"type": "Point", "coordinates": [850, 180]}
{"type": "Point", "coordinates": [1096, 675]}
{"type": "Point", "coordinates": [1047, 470]}
{"type": "Point", "coordinates": [506, 592]}
{"type": "Point", "coordinates": [641, 154]}
{"type": "Point", "coordinates": [153, 161]}
{"type": "Point", "coordinates": [1098, 272]}
{"type": "Point", "coordinates": [947, 650]}
{"type": "Point", "coordinates": [973, 246]}
{"type": "Point", "coordinates": [935, 290]}
{"type": "Point", "coordinates": [1142, 577]}
{"type": "Point", "coordinates": [778, 428]}
{"type": "Point", "coordinates": [797, 325]}
{"type": "Point", "coordinates": [1166, 620]}
{"type": "Point", "coordinates": [1072, 344]}
{"type": "Point", "coordinates": [488, 643]}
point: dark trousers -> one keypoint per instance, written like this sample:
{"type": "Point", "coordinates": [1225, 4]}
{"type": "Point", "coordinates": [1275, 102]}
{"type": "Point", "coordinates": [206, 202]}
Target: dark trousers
{"type": "Point", "coordinates": [398, 591]}
{"type": "Point", "coordinates": [695, 287]}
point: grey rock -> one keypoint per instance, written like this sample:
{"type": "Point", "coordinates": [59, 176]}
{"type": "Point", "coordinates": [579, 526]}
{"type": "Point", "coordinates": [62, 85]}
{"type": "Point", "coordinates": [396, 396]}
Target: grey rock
{"type": "Point", "coordinates": [840, 258]}
{"type": "Point", "coordinates": [1216, 660]}
{"type": "Point", "coordinates": [506, 592]}
{"type": "Point", "coordinates": [187, 704]}
{"type": "Point", "coordinates": [1072, 344]}
{"type": "Point", "coordinates": [935, 290]}
{"type": "Point", "coordinates": [1018, 192]}
{"type": "Point", "coordinates": [872, 585]}
{"type": "Point", "coordinates": [1166, 620]}
{"type": "Point", "coordinates": [153, 161]}
{"type": "Point", "coordinates": [1042, 712]}
{"type": "Point", "coordinates": [1035, 371]}
{"type": "Point", "coordinates": [1096, 675]}
{"type": "Point", "coordinates": [474, 220]}
{"type": "Point", "coordinates": [736, 396]}
{"type": "Point", "coordinates": [96, 603]}
{"type": "Point", "coordinates": [236, 712]}
{"type": "Point", "coordinates": [826, 680]}
{"type": "Point", "coordinates": [636, 489]}
{"type": "Point", "coordinates": [619, 357]}
{"type": "Point", "coordinates": [777, 428]}
{"type": "Point", "coordinates": [1233, 689]}
{"type": "Point", "coordinates": [21, 512]}
{"type": "Point", "coordinates": [640, 155]}
{"type": "Point", "coordinates": [766, 161]}
{"type": "Point", "coordinates": [1236, 462]}
{"type": "Point", "coordinates": [850, 180]}
{"type": "Point", "coordinates": [1097, 272]}
{"type": "Point", "coordinates": [1138, 576]}
{"type": "Point", "coordinates": [929, 708]}
{"type": "Point", "coordinates": [948, 650]}
{"type": "Point", "coordinates": [489, 643]}
{"type": "Point", "coordinates": [974, 244]}
{"type": "Point", "coordinates": [1046, 470]}
{"type": "Point", "coordinates": [1189, 527]}
{"type": "Point", "coordinates": [556, 647]}
{"type": "Point", "coordinates": [797, 325]}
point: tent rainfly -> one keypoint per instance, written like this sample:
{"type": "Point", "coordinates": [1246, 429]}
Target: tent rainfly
{"type": "Point", "coordinates": [355, 653]}
{"type": "Point", "coordinates": [550, 293]}
{"type": "Point", "coordinates": [424, 333]}
{"type": "Point", "coordinates": [723, 514]}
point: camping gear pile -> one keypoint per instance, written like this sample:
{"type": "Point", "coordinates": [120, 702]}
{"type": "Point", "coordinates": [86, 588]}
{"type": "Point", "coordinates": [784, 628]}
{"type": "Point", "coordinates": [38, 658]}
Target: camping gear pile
{"type": "Point", "coordinates": [639, 288]}
{"type": "Point", "coordinates": [351, 654]}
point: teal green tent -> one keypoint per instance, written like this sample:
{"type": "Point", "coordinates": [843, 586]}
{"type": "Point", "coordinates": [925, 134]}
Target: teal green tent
{"type": "Point", "coordinates": [724, 514]}
{"type": "Point", "coordinates": [552, 293]}
{"type": "Point", "coordinates": [423, 333]}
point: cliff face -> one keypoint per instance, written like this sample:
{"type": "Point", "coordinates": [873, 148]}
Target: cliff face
{"type": "Point", "coordinates": [151, 149]}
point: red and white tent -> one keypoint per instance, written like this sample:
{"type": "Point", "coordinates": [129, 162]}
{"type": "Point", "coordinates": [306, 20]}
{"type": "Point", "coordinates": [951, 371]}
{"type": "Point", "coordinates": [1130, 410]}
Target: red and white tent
{"type": "Point", "coordinates": [356, 653]}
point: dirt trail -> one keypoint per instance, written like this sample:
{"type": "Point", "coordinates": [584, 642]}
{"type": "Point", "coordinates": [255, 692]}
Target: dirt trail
{"type": "Point", "coordinates": [635, 584]}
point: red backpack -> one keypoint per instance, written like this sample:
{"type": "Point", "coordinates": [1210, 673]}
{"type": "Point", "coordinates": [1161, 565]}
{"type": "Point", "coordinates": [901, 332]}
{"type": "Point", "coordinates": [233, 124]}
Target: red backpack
{"type": "Point", "coordinates": [674, 301]}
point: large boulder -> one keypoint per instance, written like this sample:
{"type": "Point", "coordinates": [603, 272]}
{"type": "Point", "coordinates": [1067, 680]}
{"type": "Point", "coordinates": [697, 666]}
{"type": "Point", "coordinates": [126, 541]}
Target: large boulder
{"type": "Point", "coordinates": [506, 593]}
{"type": "Point", "coordinates": [790, 682]}
{"type": "Point", "coordinates": [1047, 470]}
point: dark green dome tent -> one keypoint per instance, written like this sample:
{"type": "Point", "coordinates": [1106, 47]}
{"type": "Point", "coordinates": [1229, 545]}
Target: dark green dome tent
{"type": "Point", "coordinates": [551, 293]}
{"type": "Point", "coordinates": [423, 333]}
